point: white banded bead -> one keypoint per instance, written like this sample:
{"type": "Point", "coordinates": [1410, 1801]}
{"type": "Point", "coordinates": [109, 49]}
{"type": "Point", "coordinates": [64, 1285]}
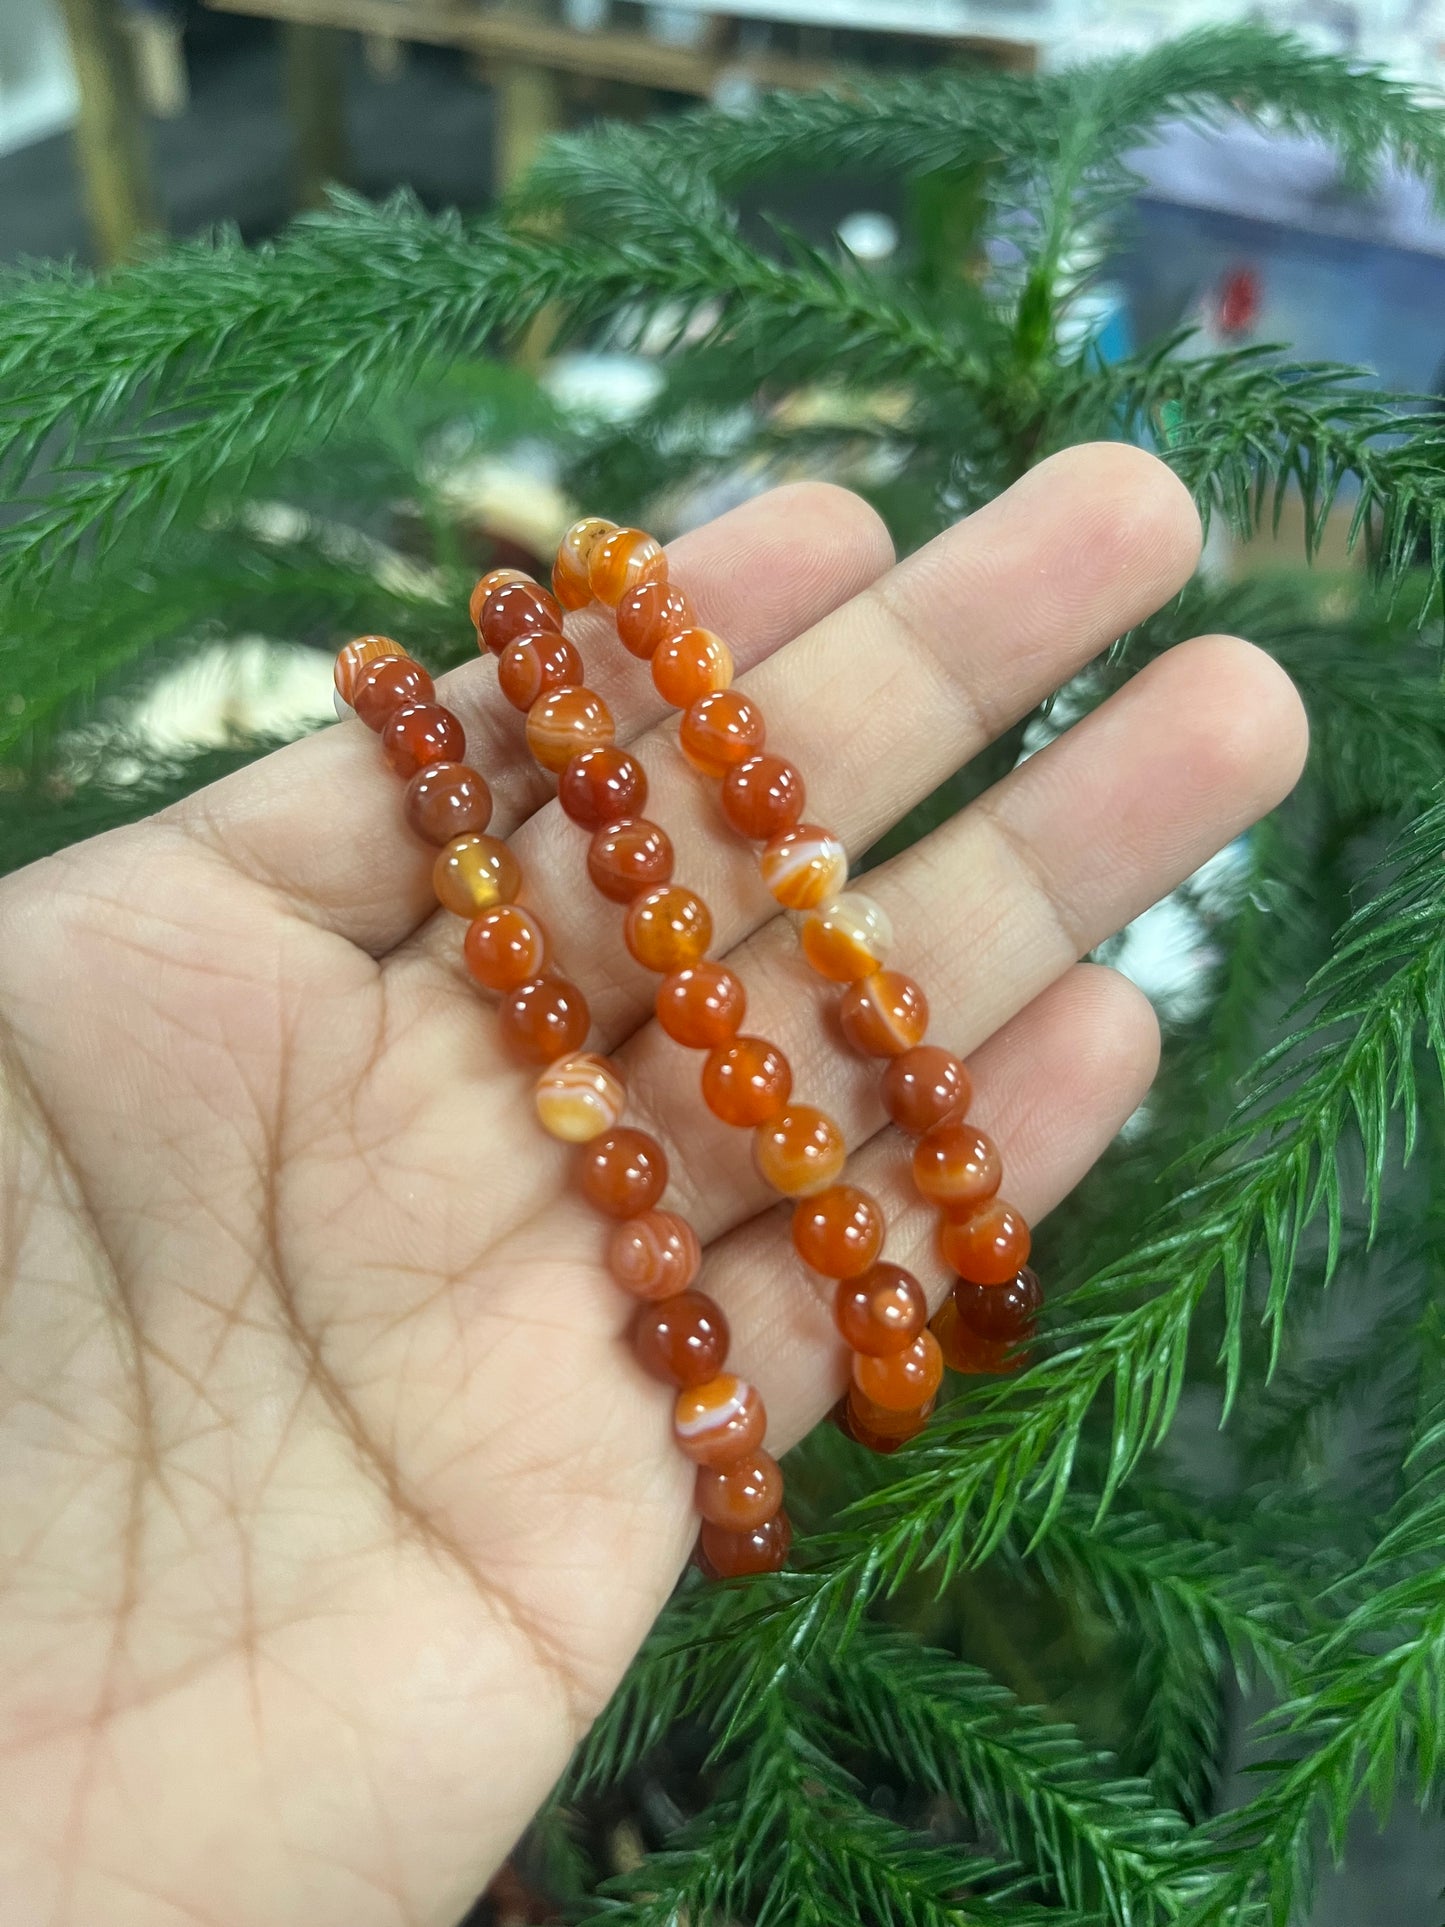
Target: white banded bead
{"type": "Point", "coordinates": [804, 867]}
{"type": "Point", "coordinates": [579, 1097]}
{"type": "Point", "coordinates": [847, 937]}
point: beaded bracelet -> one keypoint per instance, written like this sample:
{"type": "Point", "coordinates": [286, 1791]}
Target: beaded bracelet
{"type": "Point", "coordinates": [678, 1335]}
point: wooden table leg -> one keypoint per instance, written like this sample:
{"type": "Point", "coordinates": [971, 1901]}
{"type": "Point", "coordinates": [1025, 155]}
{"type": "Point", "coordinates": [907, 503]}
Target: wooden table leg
{"type": "Point", "coordinates": [315, 60]}
{"type": "Point", "coordinates": [110, 143]}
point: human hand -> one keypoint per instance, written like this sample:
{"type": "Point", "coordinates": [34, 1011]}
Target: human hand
{"type": "Point", "coordinates": [332, 1503]}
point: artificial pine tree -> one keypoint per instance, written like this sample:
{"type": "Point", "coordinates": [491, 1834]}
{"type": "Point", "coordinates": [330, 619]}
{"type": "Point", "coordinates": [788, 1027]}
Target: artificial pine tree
{"type": "Point", "coordinates": [997, 1685]}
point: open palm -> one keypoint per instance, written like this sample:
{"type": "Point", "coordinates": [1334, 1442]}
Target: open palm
{"type": "Point", "coordinates": [332, 1504]}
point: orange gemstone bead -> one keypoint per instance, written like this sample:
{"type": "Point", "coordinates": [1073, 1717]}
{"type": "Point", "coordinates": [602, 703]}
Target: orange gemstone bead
{"type": "Point", "coordinates": [701, 1007]}
{"type": "Point", "coordinates": [628, 857]}
{"type": "Point", "coordinates": [924, 1087]}
{"type": "Point", "coordinates": [988, 1247]}
{"type": "Point", "coordinates": [799, 1151]}
{"type": "Point", "coordinates": [580, 1097]}
{"type": "Point", "coordinates": [1003, 1313]}
{"type": "Point", "coordinates": [956, 1165]}
{"type": "Point", "coordinates": [505, 948]}
{"type": "Point", "coordinates": [624, 1173]}
{"type": "Point", "coordinates": [655, 1255]}
{"type": "Point", "coordinates": [682, 1340]}
{"type": "Point", "coordinates": [718, 1421]}
{"type": "Point", "coordinates": [742, 1495]}
{"type": "Point", "coordinates": [667, 928]}
{"type": "Point", "coordinates": [883, 1015]}
{"type": "Point", "coordinates": [620, 561]}
{"type": "Point", "coordinates": [358, 655]}
{"type": "Point", "coordinates": [963, 1349]}
{"type": "Point", "coordinates": [420, 734]}
{"type": "Point", "coordinates": [877, 1428]}
{"type": "Point", "coordinates": [839, 1232]}
{"type": "Point", "coordinates": [384, 685]}
{"type": "Point", "coordinates": [901, 1381]}
{"type": "Point", "coordinates": [690, 665]}
{"type": "Point", "coordinates": [493, 579]}
{"type": "Point", "coordinates": [804, 867]}
{"type": "Point", "coordinates": [544, 1019]}
{"type": "Point", "coordinates": [882, 1311]}
{"type": "Point", "coordinates": [533, 666]}
{"type": "Point", "coordinates": [446, 800]}
{"type": "Point", "coordinates": [475, 873]}
{"type": "Point", "coordinates": [763, 797]}
{"type": "Point", "coordinates": [602, 784]}
{"type": "Point", "coordinates": [720, 731]}
{"type": "Point", "coordinates": [518, 609]}
{"type": "Point", "coordinates": [746, 1081]}
{"type": "Point", "coordinates": [650, 613]}
{"type": "Point", "coordinates": [847, 937]}
{"type": "Point", "coordinates": [740, 1555]}
{"type": "Point", "coordinates": [565, 723]}
{"type": "Point", "coordinates": [574, 552]}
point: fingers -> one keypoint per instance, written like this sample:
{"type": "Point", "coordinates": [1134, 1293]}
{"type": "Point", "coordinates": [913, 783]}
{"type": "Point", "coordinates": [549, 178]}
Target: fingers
{"type": "Point", "coordinates": [320, 822]}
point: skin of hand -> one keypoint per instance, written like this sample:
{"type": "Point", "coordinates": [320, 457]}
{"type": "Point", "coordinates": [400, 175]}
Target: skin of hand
{"type": "Point", "coordinates": [332, 1503]}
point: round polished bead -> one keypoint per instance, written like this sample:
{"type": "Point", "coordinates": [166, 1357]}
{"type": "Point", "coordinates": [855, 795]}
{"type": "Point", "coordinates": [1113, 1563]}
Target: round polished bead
{"type": "Point", "coordinates": [602, 784]}
{"type": "Point", "coordinates": [622, 559]}
{"type": "Point", "coordinates": [882, 1311]}
{"type": "Point", "coordinates": [747, 1081]}
{"type": "Point", "coordinates": [446, 800]}
{"type": "Point", "coordinates": [741, 1495]}
{"type": "Point", "coordinates": [763, 797]}
{"type": "Point", "coordinates": [1004, 1313]}
{"type": "Point", "coordinates": [883, 1015]}
{"type": "Point", "coordinates": [682, 1340]}
{"type": "Point", "coordinates": [655, 1255]}
{"type": "Point", "coordinates": [740, 1555]}
{"type": "Point", "coordinates": [624, 1172]}
{"type": "Point", "coordinates": [628, 857]}
{"type": "Point", "coordinates": [574, 552]}
{"type": "Point", "coordinates": [804, 867]}
{"type": "Point", "coordinates": [718, 1421]}
{"type": "Point", "coordinates": [359, 654]}
{"type": "Point", "coordinates": [720, 731]}
{"type": "Point", "coordinates": [543, 1019]}
{"type": "Point", "coordinates": [799, 1151]}
{"type": "Point", "coordinates": [580, 1097]}
{"type": "Point", "coordinates": [667, 928]}
{"type": "Point", "coordinates": [565, 723]}
{"type": "Point", "coordinates": [690, 665]}
{"type": "Point", "coordinates": [924, 1087]}
{"type": "Point", "coordinates": [839, 1232]}
{"type": "Point", "coordinates": [475, 873]}
{"type": "Point", "coordinates": [703, 1006]}
{"type": "Point", "coordinates": [533, 666]}
{"type": "Point", "coordinates": [987, 1247]}
{"type": "Point", "coordinates": [505, 948]}
{"type": "Point", "coordinates": [385, 685]}
{"type": "Point", "coordinates": [420, 734]}
{"type": "Point", "coordinates": [650, 613]}
{"type": "Point", "coordinates": [847, 937]}
{"type": "Point", "coordinates": [965, 1350]}
{"type": "Point", "coordinates": [518, 609]}
{"type": "Point", "coordinates": [493, 579]}
{"type": "Point", "coordinates": [956, 1165]}
{"type": "Point", "coordinates": [901, 1381]}
{"type": "Point", "coordinates": [880, 1430]}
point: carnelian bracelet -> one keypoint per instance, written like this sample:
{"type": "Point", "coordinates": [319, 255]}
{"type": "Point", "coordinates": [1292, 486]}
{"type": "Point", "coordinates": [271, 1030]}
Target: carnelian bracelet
{"type": "Point", "coordinates": [678, 1335]}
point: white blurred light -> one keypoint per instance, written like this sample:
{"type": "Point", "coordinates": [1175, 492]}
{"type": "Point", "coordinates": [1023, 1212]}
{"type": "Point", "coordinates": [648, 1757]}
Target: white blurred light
{"type": "Point", "coordinates": [868, 235]}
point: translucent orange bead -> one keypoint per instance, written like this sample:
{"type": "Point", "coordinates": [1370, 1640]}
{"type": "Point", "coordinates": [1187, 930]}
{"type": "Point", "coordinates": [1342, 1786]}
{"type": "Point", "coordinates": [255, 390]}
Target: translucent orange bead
{"type": "Point", "coordinates": [963, 1349]}
{"type": "Point", "coordinates": [446, 800]}
{"type": "Point", "coordinates": [1004, 1313]}
{"type": "Point", "coordinates": [720, 731]}
{"type": "Point", "coordinates": [358, 655]}
{"type": "Point", "coordinates": [667, 928]}
{"type": "Point", "coordinates": [518, 609]}
{"type": "Point", "coordinates": [839, 1232]}
{"type": "Point", "coordinates": [420, 734]}
{"type": "Point", "coordinates": [799, 1151]}
{"type": "Point", "coordinates": [957, 1165]}
{"type": "Point", "coordinates": [493, 579]}
{"type": "Point", "coordinates": [883, 1015]}
{"type": "Point", "coordinates": [726, 1554]}
{"type": "Point", "coordinates": [901, 1381]}
{"type": "Point", "coordinates": [718, 1421]}
{"type": "Point", "coordinates": [579, 1097]}
{"type": "Point", "coordinates": [384, 685]}
{"type": "Point", "coordinates": [655, 1255]}
{"type": "Point", "coordinates": [804, 866]}
{"type": "Point", "coordinates": [505, 948]}
{"type": "Point", "coordinates": [475, 873]}
{"type": "Point", "coordinates": [880, 1430]}
{"type": "Point", "coordinates": [882, 1311]}
{"type": "Point", "coordinates": [624, 1172]}
{"type": "Point", "coordinates": [544, 1018]}
{"type": "Point", "coordinates": [847, 937]}
{"type": "Point", "coordinates": [701, 1007]}
{"type": "Point", "coordinates": [763, 797]}
{"type": "Point", "coordinates": [742, 1495]}
{"type": "Point", "coordinates": [925, 1086]}
{"type": "Point", "coordinates": [682, 1340]}
{"type": "Point", "coordinates": [619, 561]}
{"type": "Point", "coordinates": [574, 552]}
{"type": "Point", "coordinates": [533, 666]}
{"type": "Point", "coordinates": [565, 723]}
{"type": "Point", "coordinates": [628, 857]}
{"type": "Point", "coordinates": [988, 1247]}
{"type": "Point", "coordinates": [746, 1081]}
{"type": "Point", "coordinates": [602, 784]}
{"type": "Point", "coordinates": [690, 665]}
{"type": "Point", "coordinates": [650, 613]}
